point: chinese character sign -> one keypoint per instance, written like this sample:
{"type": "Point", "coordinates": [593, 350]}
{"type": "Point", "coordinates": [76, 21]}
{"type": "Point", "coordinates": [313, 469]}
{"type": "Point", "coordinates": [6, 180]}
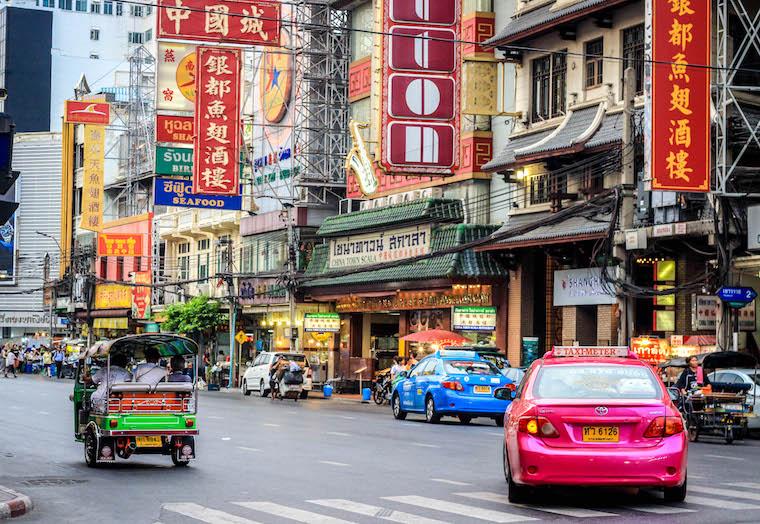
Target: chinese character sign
{"type": "Point", "coordinates": [681, 95]}
{"type": "Point", "coordinates": [217, 121]}
{"type": "Point", "coordinates": [230, 21]}
{"type": "Point", "coordinates": [176, 70]}
{"type": "Point", "coordinates": [92, 183]}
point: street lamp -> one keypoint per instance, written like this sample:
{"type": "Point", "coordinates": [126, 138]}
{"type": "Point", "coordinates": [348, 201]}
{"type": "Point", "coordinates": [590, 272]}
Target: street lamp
{"type": "Point", "coordinates": [60, 261]}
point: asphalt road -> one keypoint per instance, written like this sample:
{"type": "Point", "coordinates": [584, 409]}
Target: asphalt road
{"type": "Point", "coordinates": [326, 462]}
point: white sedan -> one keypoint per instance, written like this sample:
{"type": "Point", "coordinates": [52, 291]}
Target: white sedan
{"type": "Point", "coordinates": [256, 376]}
{"type": "Point", "coordinates": [743, 376]}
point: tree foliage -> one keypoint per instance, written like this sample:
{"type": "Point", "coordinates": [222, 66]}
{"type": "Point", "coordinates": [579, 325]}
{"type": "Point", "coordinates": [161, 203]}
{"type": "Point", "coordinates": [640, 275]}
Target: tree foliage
{"type": "Point", "coordinates": [198, 316]}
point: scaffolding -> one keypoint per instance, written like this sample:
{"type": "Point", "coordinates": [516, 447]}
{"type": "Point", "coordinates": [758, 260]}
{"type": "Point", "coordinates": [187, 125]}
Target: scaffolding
{"type": "Point", "coordinates": [737, 97]}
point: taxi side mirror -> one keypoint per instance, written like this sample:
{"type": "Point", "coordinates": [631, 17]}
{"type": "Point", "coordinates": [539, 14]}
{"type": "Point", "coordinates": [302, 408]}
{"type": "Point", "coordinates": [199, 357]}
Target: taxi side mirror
{"type": "Point", "coordinates": [504, 394]}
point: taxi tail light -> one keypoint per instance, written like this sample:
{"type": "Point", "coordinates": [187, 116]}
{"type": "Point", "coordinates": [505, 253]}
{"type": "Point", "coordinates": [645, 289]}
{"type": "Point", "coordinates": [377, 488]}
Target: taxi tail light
{"type": "Point", "coordinates": [664, 427]}
{"type": "Point", "coordinates": [452, 385]}
{"type": "Point", "coordinates": [537, 426]}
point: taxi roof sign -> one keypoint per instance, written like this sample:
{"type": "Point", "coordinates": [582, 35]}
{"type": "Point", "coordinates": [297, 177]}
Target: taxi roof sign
{"type": "Point", "coordinates": [590, 351]}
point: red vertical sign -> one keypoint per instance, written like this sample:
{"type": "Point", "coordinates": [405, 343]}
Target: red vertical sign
{"type": "Point", "coordinates": [216, 154]}
{"type": "Point", "coordinates": [681, 95]}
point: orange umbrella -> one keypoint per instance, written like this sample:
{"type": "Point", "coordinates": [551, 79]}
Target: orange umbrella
{"type": "Point", "coordinates": [436, 336]}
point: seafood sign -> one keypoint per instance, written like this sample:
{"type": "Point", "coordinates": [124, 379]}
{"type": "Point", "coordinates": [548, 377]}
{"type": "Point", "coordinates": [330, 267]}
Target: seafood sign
{"type": "Point", "coordinates": [178, 193]}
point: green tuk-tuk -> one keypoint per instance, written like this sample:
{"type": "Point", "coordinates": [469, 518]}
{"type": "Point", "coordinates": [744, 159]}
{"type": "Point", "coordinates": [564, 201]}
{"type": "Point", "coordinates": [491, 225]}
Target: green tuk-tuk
{"type": "Point", "coordinates": [115, 416]}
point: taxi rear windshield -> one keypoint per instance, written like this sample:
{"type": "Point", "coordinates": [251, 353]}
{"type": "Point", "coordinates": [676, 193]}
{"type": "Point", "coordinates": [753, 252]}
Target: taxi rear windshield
{"type": "Point", "coordinates": [469, 367]}
{"type": "Point", "coordinates": [580, 382]}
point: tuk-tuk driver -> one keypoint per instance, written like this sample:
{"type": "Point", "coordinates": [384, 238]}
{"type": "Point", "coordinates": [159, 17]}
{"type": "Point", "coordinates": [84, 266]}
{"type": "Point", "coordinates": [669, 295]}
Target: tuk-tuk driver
{"type": "Point", "coordinates": [149, 372]}
{"type": "Point", "coordinates": [116, 373]}
{"type": "Point", "coordinates": [693, 377]}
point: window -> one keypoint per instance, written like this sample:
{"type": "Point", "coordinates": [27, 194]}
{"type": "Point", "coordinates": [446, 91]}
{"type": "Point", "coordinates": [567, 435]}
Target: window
{"type": "Point", "coordinates": [64, 4]}
{"type": "Point", "coordinates": [203, 263]}
{"type": "Point", "coordinates": [119, 8]}
{"type": "Point", "coordinates": [135, 10]}
{"type": "Point", "coordinates": [119, 268]}
{"type": "Point", "coordinates": [103, 267]}
{"type": "Point", "coordinates": [81, 5]}
{"type": "Point", "coordinates": [135, 38]}
{"type": "Point", "coordinates": [108, 7]}
{"type": "Point", "coordinates": [94, 56]}
{"type": "Point", "coordinates": [222, 254]}
{"type": "Point", "coordinates": [594, 62]}
{"type": "Point", "coordinates": [148, 35]}
{"type": "Point", "coordinates": [95, 7]}
{"type": "Point", "coordinates": [549, 84]}
{"type": "Point", "coordinates": [592, 180]}
{"type": "Point", "coordinates": [539, 189]}
{"type": "Point", "coordinates": [183, 261]}
{"type": "Point", "coordinates": [48, 3]}
{"type": "Point", "coordinates": [204, 244]}
{"type": "Point", "coordinates": [148, 10]}
{"type": "Point", "coordinates": [633, 54]}
{"type": "Point", "coordinates": [470, 367]}
{"type": "Point", "coordinates": [587, 382]}
{"type": "Point", "coordinates": [94, 34]}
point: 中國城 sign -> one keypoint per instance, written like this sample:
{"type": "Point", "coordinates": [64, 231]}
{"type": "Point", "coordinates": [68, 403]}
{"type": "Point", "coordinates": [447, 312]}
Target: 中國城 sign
{"type": "Point", "coordinates": [384, 246]}
{"type": "Point", "coordinates": [680, 95]}
{"type": "Point", "coordinates": [581, 287]}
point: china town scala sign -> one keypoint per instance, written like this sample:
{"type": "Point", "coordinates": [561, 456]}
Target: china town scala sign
{"type": "Point", "coordinates": [230, 21]}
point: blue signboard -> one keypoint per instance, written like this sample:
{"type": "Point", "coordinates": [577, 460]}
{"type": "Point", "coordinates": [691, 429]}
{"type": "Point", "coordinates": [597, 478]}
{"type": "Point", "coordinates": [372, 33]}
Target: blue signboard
{"type": "Point", "coordinates": [178, 193]}
{"type": "Point", "coordinates": [737, 296]}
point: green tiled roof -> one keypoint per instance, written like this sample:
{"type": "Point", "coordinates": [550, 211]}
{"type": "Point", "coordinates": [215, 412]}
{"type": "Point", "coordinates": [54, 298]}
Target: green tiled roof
{"type": "Point", "coordinates": [463, 265]}
{"type": "Point", "coordinates": [409, 213]}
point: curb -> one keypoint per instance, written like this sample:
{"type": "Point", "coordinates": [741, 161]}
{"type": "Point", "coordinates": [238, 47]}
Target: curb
{"type": "Point", "coordinates": [17, 505]}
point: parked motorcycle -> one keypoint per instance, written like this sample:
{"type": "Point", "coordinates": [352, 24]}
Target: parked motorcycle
{"type": "Point", "coordinates": [382, 388]}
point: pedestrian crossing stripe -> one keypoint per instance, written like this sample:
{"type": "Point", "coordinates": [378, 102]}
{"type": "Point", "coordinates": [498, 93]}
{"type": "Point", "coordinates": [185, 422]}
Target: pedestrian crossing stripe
{"type": "Point", "coordinates": [298, 515]}
{"type": "Point", "coordinates": [559, 510]}
{"type": "Point", "coordinates": [460, 509]}
{"type": "Point", "coordinates": [204, 514]}
{"type": "Point", "coordinates": [375, 511]}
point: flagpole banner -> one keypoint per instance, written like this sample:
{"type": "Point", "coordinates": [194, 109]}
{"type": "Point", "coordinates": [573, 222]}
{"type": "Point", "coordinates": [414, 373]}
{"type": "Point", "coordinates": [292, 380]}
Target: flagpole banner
{"type": "Point", "coordinates": [216, 157]}
{"type": "Point", "coordinates": [92, 186]}
{"type": "Point", "coordinates": [176, 71]}
{"type": "Point", "coordinates": [680, 95]}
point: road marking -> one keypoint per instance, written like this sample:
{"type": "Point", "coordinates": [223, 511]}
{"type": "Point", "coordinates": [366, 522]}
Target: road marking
{"type": "Point", "coordinates": [211, 516]}
{"type": "Point", "coordinates": [226, 438]}
{"type": "Point", "coordinates": [214, 417]}
{"type": "Point", "coordinates": [298, 515]}
{"type": "Point", "coordinates": [375, 511]}
{"type": "Point", "coordinates": [15, 407]}
{"type": "Point", "coordinates": [44, 413]}
{"type": "Point", "coordinates": [460, 509]}
{"type": "Point", "coordinates": [248, 449]}
{"type": "Point", "coordinates": [272, 425]}
{"type": "Point", "coordinates": [423, 445]}
{"type": "Point", "coordinates": [559, 510]}
{"type": "Point", "coordinates": [724, 457]}
{"type": "Point", "coordinates": [749, 485]}
{"type": "Point", "coordinates": [452, 482]}
{"type": "Point", "coordinates": [346, 417]}
{"type": "Point", "coordinates": [338, 434]}
{"type": "Point", "coordinates": [717, 503]}
{"type": "Point", "coordinates": [659, 510]}
{"type": "Point", "coordinates": [331, 463]}
{"type": "Point", "coordinates": [731, 493]}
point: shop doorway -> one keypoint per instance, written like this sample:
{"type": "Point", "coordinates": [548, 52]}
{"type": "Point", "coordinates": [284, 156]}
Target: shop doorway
{"type": "Point", "coordinates": [384, 339]}
{"type": "Point", "coordinates": [585, 327]}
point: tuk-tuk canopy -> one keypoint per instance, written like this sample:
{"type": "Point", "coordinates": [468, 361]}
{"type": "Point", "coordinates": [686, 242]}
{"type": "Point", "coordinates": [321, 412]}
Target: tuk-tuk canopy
{"type": "Point", "coordinates": [167, 345]}
{"type": "Point", "coordinates": [729, 360]}
{"type": "Point", "coordinates": [681, 362]}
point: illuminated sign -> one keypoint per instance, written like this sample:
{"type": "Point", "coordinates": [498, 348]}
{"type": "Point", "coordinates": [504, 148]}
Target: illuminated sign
{"type": "Point", "coordinates": [321, 323]}
{"type": "Point", "coordinates": [473, 318]}
{"type": "Point", "coordinates": [120, 245]}
{"type": "Point", "coordinates": [83, 112]}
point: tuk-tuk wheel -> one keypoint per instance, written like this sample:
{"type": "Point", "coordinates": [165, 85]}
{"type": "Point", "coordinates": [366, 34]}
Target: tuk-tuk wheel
{"type": "Point", "coordinates": [693, 433]}
{"type": "Point", "coordinates": [90, 449]}
{"type": "Point", "coordinates": [177, 462]}
{"type": "Point", "coordinates": [729, 435]}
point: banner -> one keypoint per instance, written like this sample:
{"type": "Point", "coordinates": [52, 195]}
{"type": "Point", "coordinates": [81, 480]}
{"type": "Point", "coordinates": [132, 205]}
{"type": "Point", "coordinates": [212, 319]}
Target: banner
{"type": "Point", "coordinates": [113, 296]}
{"type": "Point", "coordinates": [174, 160]}
{"type": "Point", "coordinates": [83, 112]}
{"type": "Point", "coordinates": [582, 287]}
{"type": "Point", "coordinates": [217, 122]}
{"type": "Point", "coordinates": [175, 129]}
{"type": "Point", "coordinates": [92, 185]}
{"type": "Point", "coordinates": [223, 21]}
{"type": "Point", "coordinates": [141, 295]}
{"type": "Point", "coordinates": [120, 245]}
{"type": "Point", "coordinates": [176, 71]}
{"type": "Point", "coordinates": [8, 243]}
{"type": "Point", "coordinates": [178, 193]}
{"type": "Point", "coordinates": [680, 96]}
{"type": "Point", "coordinates": [375, 248]}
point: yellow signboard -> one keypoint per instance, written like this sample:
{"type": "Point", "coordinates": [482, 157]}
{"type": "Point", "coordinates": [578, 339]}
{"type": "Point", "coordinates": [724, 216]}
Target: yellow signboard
{"type": "Point", "coordinates": [113, 296]}
{"type": "Point", "coordinates": [241, 337]}
{"type": "Point", "coordinates": [111, 323]}
{"type": "Point", "coordinates": [92, 184]}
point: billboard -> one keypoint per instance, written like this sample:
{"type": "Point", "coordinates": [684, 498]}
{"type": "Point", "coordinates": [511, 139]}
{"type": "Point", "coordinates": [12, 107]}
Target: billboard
{"type": "Point", "coordinates": [178, 193]}
{"type": "Point", "coordinates": [175, 85]}
{"type": "Point", "coordinates": [680, 95]}
{"type": "Point", "coordinates": [113, 296]}
{"type": "Point", "coordinates": [217, 121]}
{"type": "Point", "coordinates": [141, 295]}
{"type": "Point", "coordinates": [120, 245]}
{"type": "Point", "coordinates": [174, 160]}
{"type": "Point", "coordinates": [92, 184]}
{"type": "Point", "coordinates": [8, 242]}
{"type": "Point", "coordinates": [174, 129]}
{"type": "Point", "coordinates": [245, 22]}
{"type": "Point", "coordinates": [84, 112]}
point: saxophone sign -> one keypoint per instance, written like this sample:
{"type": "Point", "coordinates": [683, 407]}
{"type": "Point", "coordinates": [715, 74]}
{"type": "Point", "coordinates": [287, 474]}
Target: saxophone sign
{"type": "Point", "coordinates": [359, 163]}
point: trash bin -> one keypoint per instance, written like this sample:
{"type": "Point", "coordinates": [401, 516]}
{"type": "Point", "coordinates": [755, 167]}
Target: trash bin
{"type": "Point", "coordinates": [327, 391]}
{"type": "Point", "coordinates": [366, 395]}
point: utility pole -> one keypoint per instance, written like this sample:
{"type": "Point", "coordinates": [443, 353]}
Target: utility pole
{"type": "Point", "coordinates": [233, 309]}
{"type": "Point", "coordinates": [628, 185]}
{"type": "Point", "coordinates": [292, 279]}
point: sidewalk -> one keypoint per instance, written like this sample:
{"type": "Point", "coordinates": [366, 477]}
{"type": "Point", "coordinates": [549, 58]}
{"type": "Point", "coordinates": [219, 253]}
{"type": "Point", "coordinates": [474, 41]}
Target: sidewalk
{"type": "Point", "coordinates": [13, 503]}
{"type": "Point", "coordinates": [313, 395]}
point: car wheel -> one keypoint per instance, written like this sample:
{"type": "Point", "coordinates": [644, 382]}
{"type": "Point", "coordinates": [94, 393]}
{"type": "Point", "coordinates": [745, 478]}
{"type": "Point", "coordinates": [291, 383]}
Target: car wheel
{"type": "Point", "coordinates": [499, 421]}
{"type": "Point", "coordinates": [465, 419]}
{"type": "Point", "coordinates": [263, 392]}
{"type": "Point", "coordinates": [676, 494]}
{"type": "Point", "coordinates": [244, 389]}
{"type": "Point", "coordinates": [430, 414]}
{"type": "Point", "coordinates": [398, 413]}
{"type": "Point", "coordinates": [304, 395]}
{"type": "Point", "coordinates": [517, 493]}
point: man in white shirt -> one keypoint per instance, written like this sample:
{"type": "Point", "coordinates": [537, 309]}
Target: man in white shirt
{"type": "Point", "coordinates": [149, 372]}
{"type": "Point", "coordinates": [117, 373]}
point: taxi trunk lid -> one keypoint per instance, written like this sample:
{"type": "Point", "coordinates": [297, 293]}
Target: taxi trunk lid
{"type": "Point", "coordinates": [599, 424]}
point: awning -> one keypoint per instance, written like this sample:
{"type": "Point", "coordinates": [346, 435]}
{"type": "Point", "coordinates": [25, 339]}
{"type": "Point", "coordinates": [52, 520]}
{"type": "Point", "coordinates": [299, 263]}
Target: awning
{"type": "Point", "coordinates": [585, 129]}
{"type": "Point", "coordinates": [572, 229]}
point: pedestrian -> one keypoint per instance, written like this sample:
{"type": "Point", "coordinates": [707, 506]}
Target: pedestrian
{"type": "Point", "coordinates": [2, 358]}
{"type": "Point", "coordinates": [693, 377]}
{"type": "Point", "coordinates": [10, 363]}
{"type": "Point", "coordinates": [397, 367]}
{"type": "Point", "coordinates": [412, 360]}
{"type": "Point", "coordinates": [47, 360]}
{"type": "Point", "coordinates": [58, 358]}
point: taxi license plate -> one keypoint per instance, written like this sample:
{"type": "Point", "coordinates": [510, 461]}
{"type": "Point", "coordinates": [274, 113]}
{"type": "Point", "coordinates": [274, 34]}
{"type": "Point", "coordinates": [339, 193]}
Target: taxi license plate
{"type": "Point", "coordinates": [601, 434]}
{"type": "Point", "coordinates": [149, 442]}
{"type": "Point", "coordinates": [482, 389]}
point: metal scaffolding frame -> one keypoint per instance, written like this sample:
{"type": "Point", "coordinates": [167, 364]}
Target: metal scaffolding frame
{"type": "Point", "coordinates": [737, 101]}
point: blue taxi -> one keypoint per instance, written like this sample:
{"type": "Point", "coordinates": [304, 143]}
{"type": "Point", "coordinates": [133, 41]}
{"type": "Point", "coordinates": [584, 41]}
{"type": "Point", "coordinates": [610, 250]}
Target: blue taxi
{"type": "Point", "coordinates": [451, 383]}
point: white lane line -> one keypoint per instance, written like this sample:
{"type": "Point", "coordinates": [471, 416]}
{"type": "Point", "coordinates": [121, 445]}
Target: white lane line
{"type": "Point", "coordinates": [338, 434]}
{"type": "Point", "coordinates": [331, 463]}
{"type": "Point", "coordinates": [214, 417]}
{"type": "Point", "coordinates": [452, 482]}
{"type": "Point", "coordinates": [272, 425]}
{"type": "Point", "coordinates": [44, 413]}
{"type": "Point", "coordinates": [559, 510]}
{"type": "Point", "coordinates": [204, 514]}
{"type": "Point", "coordinates": [460, 509]}
{"type": "Point", "coordinates": [730, 493]}
{"type": "Point", "coordinates": [748, 485]}
{"type": "Point", "coordinates": [423, 445]}
{"type": "Point", "coordinates": [298, 515]}
{"type": "Point", "coordinates": [724, 457]}
{"type": "Point", "coordinates": [226, 438]}
{"type": "Point", "coordinates": [248, 449]}
{"type": "Point", "coordinates": [346, 417]}
{"type": "Point", "coordinates": [375, 511]}
{"type": "Point", "coordinates": [718, 503]}
{"type": "Point", "coordinates": [659, 510]}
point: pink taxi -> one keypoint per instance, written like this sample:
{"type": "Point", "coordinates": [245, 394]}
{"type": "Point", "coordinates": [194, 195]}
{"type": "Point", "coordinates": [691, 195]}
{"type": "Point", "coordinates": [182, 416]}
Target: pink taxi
{"type": "Point", "coordinates": [593, 417]}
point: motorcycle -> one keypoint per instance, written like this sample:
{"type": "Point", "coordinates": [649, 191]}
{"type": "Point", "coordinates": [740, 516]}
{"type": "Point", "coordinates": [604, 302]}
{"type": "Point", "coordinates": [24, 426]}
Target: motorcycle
{"type": "Point", "coordinates": [382, 389]}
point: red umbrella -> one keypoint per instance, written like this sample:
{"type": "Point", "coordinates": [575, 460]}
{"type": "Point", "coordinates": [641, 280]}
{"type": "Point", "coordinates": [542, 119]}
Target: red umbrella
{"type": "Point", "coordinates": [436, 336]}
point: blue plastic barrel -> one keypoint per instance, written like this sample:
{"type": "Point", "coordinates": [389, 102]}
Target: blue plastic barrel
{"type": "Point", "coordinates": [327, 391]}
{"type": "Point", "coordinates": [366, 394]}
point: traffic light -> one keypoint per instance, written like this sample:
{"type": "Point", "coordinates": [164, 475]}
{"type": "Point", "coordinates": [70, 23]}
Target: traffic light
{"type": "Point", "coordinates": [7, 175]}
